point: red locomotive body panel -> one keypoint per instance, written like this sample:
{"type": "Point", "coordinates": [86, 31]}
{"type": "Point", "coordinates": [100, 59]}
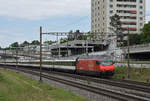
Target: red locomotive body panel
{"type": "Point", "coordinates": [99, 66]}
{"type": "Point", "coordinates": [87, 65]}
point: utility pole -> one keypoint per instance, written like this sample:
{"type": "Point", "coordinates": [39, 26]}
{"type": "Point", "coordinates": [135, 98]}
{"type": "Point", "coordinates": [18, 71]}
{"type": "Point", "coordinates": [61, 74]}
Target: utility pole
{"type": "Point", "coordinates": [128, 71]}
{"type": "Point", "coordinates": [40, 54]}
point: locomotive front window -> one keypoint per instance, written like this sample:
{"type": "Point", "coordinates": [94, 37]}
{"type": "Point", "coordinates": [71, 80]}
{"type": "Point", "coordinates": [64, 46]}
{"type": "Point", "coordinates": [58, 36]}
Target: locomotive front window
{"type": "Point", "coordinates": [104, 63]}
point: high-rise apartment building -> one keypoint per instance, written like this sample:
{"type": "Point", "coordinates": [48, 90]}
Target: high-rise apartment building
{"type": "Point", "coordinates": [132, 13]}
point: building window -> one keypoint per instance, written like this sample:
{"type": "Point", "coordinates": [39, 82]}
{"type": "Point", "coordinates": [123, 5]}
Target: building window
{"type": "Point", "coordinates": [95, 3]}
{"type": "Point", "coordinates": [141, 12]}
{"type": "Point", "coordinates": [126, 5]}
{"type": "Point", "coordinates": [111, 11]}
{"type": "Point", "coordinates": [141, 18]}
{"type": "Point", "coordinates": [126, 0]}
{"type": "Point", "coordinates": [141, 1]}
{"type": "Point", "coordinates": [141, 7]}
{"type": "Point", "coordinates": [95, 14]}
{"type": "Point", "coordinates": [111, 6]}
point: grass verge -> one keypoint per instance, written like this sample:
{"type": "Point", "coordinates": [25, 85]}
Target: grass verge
{"type": "Point", "coordinates": [16, 87]}
{"type": "Point", "coordinates": [137, 74]}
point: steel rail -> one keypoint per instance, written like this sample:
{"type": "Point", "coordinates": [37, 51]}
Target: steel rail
{"type": "Point", "coordinates": [141, 86]}
{"type": "Point", "coordinates": [97, 90]}
{"type": "Point", "coordinates": [117, 83]}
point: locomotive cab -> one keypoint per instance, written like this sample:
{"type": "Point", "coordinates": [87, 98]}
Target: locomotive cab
{"type": "Point", "coordinates": [106, 67]}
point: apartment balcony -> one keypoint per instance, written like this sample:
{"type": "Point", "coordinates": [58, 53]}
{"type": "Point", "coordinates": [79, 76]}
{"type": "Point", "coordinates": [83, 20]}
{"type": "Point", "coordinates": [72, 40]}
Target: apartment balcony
{"type": "Point", "coordinates": [126, 22]}
{"type": "Point", "coordinates": [126, 8]}
{"type": "Point", "coordinates": [129, 20]}
{"type": "Point", "coordinates": [127, 3]}
{"type": "Point", "coordinates": [130, 29]}
{"type": "Point", "coordinates": [126, 11]}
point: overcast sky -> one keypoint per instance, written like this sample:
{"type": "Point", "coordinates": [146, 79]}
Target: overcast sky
{"type": "Point", "coordinates": [20, 19]}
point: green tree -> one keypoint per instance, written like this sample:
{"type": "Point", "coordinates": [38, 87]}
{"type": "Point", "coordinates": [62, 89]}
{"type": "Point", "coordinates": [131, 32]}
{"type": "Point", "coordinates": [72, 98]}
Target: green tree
{"type": "Point", "coordinates": [25, 43]}
{"type": "Point", "coordinates": [135, 39]}
{"type": "Point", "coordinates": [70, 36]}
{"type": "Point", "coordinates": [6, 48]}
{"type": "Point", "coordinates": [63, 40]}
{"type": "Point", "coordinates": [145, 36]}
{"type": "Point", "coordinates": [15, 44]}
{"type": "Point", "coordinates": [84, 37]}
{"type": "Point", "coordinates": [142, 38]}
{"type": "Point", "coordinates": [35, 42]}
{"type": "Point", "coordinates": [116, 26]}
{"type": "Point", "coordinates": [49, 42]}
{"type": "Point", "coordinates": [89, 35]}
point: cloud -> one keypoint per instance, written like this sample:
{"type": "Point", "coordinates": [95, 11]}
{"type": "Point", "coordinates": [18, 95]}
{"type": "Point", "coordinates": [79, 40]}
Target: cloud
{"type": "Point", "coordinates": [147, 19]}
{"type": "Point", "coordinates": [5, 40]}
{"type": "Point", "coordinates": [147, 15]}
{"type": "Point", "coordinates": [42, 9]}
{"type": "Point", "coordinates": [12, 35]}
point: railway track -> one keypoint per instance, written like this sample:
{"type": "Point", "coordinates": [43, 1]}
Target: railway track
{"type": "Point", "coordinates": [97, 90]}
{"type": "Point", "coordinates": [140, 88]}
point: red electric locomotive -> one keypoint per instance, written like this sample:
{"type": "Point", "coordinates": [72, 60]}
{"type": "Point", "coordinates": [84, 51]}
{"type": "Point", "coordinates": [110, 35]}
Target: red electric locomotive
{"type": "Point", "coordinates": [95, 65]}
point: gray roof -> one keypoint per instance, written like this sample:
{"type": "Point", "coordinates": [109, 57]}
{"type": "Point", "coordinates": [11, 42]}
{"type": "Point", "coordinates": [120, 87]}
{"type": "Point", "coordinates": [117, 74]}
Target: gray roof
{"type": "Point", "coordinates": [95, 57]}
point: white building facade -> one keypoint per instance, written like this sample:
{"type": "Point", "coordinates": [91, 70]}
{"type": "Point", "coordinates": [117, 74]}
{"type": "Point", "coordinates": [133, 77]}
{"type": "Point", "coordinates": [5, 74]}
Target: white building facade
{"type": "Point", "coordinates": [132, 13]}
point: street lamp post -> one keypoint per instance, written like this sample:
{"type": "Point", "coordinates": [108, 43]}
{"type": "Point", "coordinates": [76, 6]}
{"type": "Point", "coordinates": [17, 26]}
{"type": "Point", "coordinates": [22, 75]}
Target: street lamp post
{"type": "Point", "coordinates": [40, 54]}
